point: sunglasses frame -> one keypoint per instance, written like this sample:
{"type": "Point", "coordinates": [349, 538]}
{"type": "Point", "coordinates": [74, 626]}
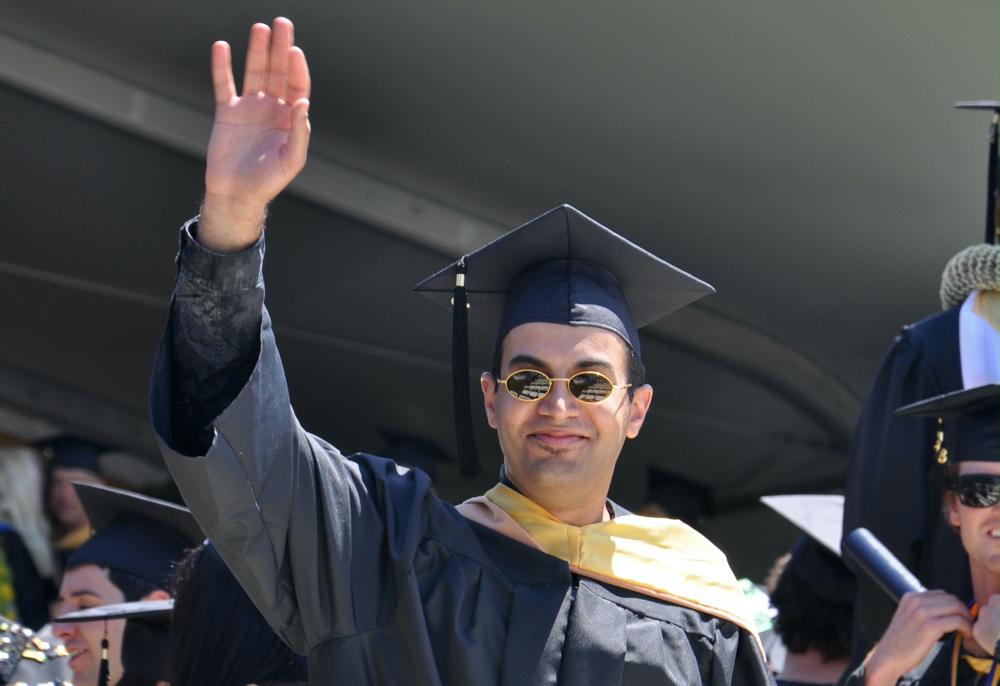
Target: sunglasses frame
{"type": "Point", "coordinates": [960, 483]}
{"type": "Point", "coordinates": [553, 379]}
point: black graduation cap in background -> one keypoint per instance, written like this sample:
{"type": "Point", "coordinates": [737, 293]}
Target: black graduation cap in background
{"type": "Point", "coordinates": [816, 556]}
{"type": "Point", "coordinates": [145, 642]}
{"type": "Point", "coordinates": [70, 452]}
{"type": "Point", "coordinates": [819, 516]}
{"type": "Point", "coordinates": [991, 168]}
{"type": "Point", "coordinates": [968, 423]}
{"type": "Point", "coordinates": [561, 267]}
{"type": "Point", "coordinates": [133, 533]}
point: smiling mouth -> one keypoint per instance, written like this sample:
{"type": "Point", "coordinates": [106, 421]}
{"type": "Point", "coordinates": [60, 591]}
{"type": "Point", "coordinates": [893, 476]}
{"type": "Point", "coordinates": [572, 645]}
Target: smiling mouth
{"type": "Point", "coordinates": [993, 533]}
{"type": "Point", "coordinates": [556, 440]}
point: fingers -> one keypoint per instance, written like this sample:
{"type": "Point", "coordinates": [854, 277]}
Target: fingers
{"type": "Point", "coordinates": [935, 612]}
{"type": "Point", "coordinates": [282, 39]}
{"type": "Point", "coordinates": [298, 138]}
{"type": "Point", "coordinates": [222, 73]}
{"type": "Point", "coordinates": [255, 73]}
{"type": "Point", "coordinates": [298, 76]}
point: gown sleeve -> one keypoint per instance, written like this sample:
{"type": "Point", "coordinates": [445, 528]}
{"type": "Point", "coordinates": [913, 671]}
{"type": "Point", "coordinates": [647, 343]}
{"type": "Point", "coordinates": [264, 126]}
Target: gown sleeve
{"type": "Point", "coordinates": [321, 543]}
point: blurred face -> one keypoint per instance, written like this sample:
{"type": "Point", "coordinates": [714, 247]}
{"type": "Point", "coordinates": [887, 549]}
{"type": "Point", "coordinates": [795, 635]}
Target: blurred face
{"type": "Point", "coordinates": [559, 442]}
{"type": "Point", "coordinates": [84, 587]}
{"type": "Point", "coordinates": [979, 527]}
{"type": "Point", "coordinates": [63, 503]}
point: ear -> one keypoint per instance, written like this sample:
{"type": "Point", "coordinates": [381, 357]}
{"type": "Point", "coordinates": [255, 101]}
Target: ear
{"type": "Point", "coordinates": [951, 509]}
{"type": "Point", "coordinates": [489, 386]}
{"type": "Point", "coordinates": [158, 594]}
{"type": "Point", "coordinates": [642, 398]}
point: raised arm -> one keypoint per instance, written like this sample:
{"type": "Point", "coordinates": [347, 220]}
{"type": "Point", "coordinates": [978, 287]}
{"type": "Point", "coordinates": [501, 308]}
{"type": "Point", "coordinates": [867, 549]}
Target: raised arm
{"type": "Point", "coordinates": [259, 139]}
{"type": "Point", "coordinates": [318, 541]}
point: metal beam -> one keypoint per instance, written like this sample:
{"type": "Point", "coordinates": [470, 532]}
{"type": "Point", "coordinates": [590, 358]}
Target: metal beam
{"type": "Point", "coordinates": [154, 116]}
{"type": "Point", "coordinates": [707, 334]}
{"type": "Point", "coordinates": [74, 412]}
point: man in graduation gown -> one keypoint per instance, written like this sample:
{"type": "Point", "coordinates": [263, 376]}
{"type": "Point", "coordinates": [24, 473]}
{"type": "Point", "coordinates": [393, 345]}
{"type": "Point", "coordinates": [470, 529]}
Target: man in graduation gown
{"type": "Point", "coordinates": [937, 637]}
{"type": "Point", "coordinates": [887, 488]}
{"type": "Point", "coordinates": [136, 543]}
{"type": "Point", "coordinates": [353, 560]}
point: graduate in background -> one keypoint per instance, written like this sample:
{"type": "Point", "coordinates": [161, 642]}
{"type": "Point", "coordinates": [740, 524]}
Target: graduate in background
{"type": "Point", "coordinates": [70, 460]}
{"type": "Point", "coordinates": [887, 488]}
{"type": "Point", "coordinates": [355, 561]}
{"type": "Point", "coordinates": [130, 557]}
{"type": "Point", "coordinates": [812, 592]}
{"type": "Point", "coordinates": [936, 637]}
{"type": "Point", "coordinates": [144, 643]}
{"type": "Point", "coordinates": [218, 637]}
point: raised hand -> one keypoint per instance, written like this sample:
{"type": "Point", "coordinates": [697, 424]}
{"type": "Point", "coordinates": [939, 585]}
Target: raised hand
{"type": "Point", "coordinates": [259, 139]}
{"type": "Point", "coordinates": [920, 621]}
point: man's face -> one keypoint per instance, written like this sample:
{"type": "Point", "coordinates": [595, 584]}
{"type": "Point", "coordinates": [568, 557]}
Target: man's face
{"type": "Point", "coordinates": [979, 527]}
{"type": "Point", "coordinates": [65, 506]}
{"type": "Point", "coordinates": [84, 587]}
{"type": "Point", "coordinates": [560, 442]}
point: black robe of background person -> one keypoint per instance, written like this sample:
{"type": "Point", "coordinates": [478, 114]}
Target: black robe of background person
{"type": "Point", "coordinates": [888, 488]}
{"type": "Point", "coordinates": [356, 563]}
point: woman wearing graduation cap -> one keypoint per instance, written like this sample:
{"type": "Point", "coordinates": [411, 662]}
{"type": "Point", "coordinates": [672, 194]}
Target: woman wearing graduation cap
{"type": "Point", "coordinates": [354, 561]}
{"type": "Point", "coordinates": [935, 637]}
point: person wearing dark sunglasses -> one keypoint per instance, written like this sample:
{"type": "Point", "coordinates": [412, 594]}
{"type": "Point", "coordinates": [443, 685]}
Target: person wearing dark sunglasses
{"type": "Point", "coordinates": [354, 560]}
{"type": "Point", "coordinates": [935, 637]}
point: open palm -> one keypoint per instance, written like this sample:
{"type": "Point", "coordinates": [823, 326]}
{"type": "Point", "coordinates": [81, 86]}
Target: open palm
{"type": "Point", "coordinates": [260, 138]}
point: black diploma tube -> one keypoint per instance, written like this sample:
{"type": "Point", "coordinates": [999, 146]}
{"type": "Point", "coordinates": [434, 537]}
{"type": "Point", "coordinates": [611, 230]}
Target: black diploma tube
{"type": "Point", "coordinates": [863, 551]}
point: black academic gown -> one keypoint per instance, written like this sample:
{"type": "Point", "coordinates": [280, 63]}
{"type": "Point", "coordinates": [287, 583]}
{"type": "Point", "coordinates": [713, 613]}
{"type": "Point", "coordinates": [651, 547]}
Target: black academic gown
{"type": "Point", "coordinates": [357, 564]}
{"type": "Point", "coordinates": [888, 488]}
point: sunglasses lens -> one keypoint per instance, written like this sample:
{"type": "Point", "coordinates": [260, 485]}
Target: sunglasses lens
{"type": "Point", "coordinates": [978, 490]}
{"type": "Point", "coordinates": [528, 385]}
{"type": "Point", "coordinates": [590, 387]}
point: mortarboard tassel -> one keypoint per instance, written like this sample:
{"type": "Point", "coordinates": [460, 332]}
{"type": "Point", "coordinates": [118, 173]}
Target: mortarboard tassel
{"type": "Point", "coordinates": [104, 673]}
{"type": "Point", "coordinates": [468, 462]}
{"type": "Point", "coordinates": [991, 187]}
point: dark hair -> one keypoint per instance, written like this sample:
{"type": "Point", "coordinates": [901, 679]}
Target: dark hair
{"type": "Point", "coordinates": [636, 369]}
{"type": "Point", "coordinates": [948, 474]}
{"type": "Point", "coordinates": [814, 597]}
{"type": "Point", "coordinates": [217, 636]}
{"type": "Point", "coordinates": [131, 586]}
{"type": "Point", "coordinates": [129, 680]}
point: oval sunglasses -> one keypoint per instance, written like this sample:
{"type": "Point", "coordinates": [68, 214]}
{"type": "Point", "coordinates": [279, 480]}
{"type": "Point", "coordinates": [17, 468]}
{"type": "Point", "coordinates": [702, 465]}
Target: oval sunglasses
{"type": "Point", "coordinates": [530, 385]}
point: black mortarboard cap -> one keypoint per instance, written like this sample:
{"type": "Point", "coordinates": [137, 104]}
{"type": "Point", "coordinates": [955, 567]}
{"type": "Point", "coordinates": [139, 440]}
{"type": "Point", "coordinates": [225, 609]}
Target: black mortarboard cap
{"type": "Point", "coordinates": [561, 267]}
{"type": "Point", "coordinates": [134, 533]}
{"type": "Point", "coordinates": [70, 452]}
{"type": "Point", "coordinates": [146, 641]}
{"type": "Point", "coordinates": [968, 423]}
{"type": "Point", "coordinates": [819, 516]}
{"type": "Point", "coordinates": [815, 559]}
{"type": "Point", "coordinates": [991, 164]}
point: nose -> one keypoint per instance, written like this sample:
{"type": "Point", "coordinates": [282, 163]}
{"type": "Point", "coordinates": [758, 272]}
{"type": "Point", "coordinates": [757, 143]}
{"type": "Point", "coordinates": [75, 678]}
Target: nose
{"type": "Point", "coordinates": [559, 402]}
{"type": "Point", "coordinates": [63, 630]}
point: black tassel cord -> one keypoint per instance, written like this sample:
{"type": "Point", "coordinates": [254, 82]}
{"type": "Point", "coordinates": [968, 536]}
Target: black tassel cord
{"type": "Point", "coordinates": [991, 188]}
{"type": "Point", "coordinates": [104, 674]}
{"type": "Point", "coordinates": [468, 461]}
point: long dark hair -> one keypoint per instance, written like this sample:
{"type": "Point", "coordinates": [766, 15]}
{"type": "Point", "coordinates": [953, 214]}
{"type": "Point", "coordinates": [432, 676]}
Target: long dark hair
{"type": "Point", "coordinates": [217, 636]}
